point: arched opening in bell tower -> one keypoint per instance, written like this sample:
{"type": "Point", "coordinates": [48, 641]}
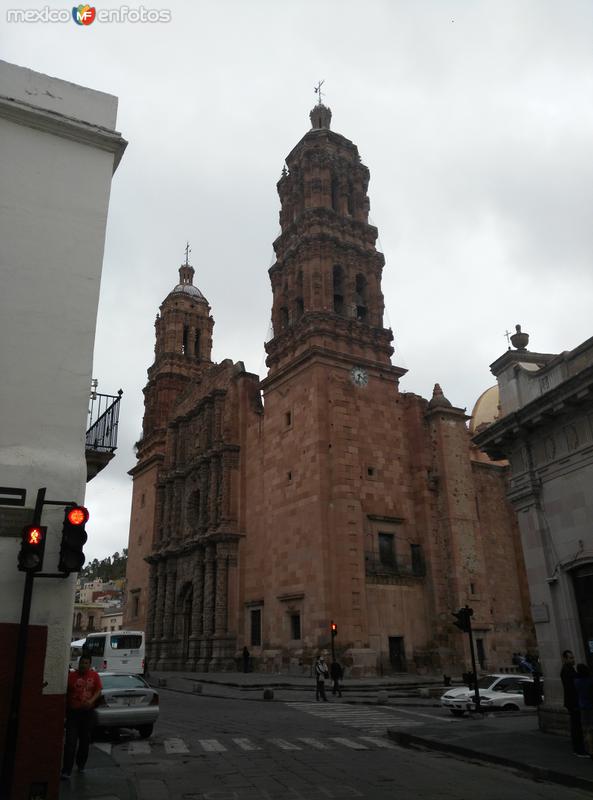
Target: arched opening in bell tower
{"type": "Point", "coordinates": [338, 283]}
{"type": "Point", "coordinates": [361, 297]}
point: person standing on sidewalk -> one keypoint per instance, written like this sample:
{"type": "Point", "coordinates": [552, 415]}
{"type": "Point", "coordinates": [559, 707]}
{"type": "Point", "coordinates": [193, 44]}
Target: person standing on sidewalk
{"type": "Point", "coordinates": [571, 703]}
{"type": "Point", "coordinates": [336, 673]}
{"type": "Point", "coordinates": [584, 686]}
{"type": "Point", "coordinates": [321, 674]}
{"type": "Point", "coordinates": [84, 689]}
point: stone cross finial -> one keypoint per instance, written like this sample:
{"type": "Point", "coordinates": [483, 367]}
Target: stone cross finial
{"type": "Point", "coordinates": [317, 90]}
{"type": "Point", "coordinates": [187, 252]}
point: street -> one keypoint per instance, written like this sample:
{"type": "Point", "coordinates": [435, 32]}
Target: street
{"type": "Point", "coordinates": [228, 749]}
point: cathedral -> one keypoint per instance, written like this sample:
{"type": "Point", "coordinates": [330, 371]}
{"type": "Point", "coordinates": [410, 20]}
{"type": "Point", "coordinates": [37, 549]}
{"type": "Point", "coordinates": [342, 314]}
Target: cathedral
{"type": "Point", "coordinates": [265, 512]}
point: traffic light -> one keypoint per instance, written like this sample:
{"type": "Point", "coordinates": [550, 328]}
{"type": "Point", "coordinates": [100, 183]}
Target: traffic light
{"type": "Point", "coordinates": [74, 538]}
{"type": "Point", "coordinates": [32, 547]}
{"type": "Point", "coordinates": [333, 628]}
{"type": "Point", "coordinates": [462, 620]}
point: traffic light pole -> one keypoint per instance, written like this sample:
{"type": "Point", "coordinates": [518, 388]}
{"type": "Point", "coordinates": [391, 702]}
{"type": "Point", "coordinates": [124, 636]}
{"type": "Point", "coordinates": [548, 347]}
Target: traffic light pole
{"type": "Point", "coordinates": [474, 671]}
{"type": "Point", "coordinates": [12, 726]}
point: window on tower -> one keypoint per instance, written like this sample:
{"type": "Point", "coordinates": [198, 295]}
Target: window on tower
{"type": "Point", "coordinates": [335, 196]}
{"type": "Point", "coordinates": [283, 318]}
{"type": "Point", "coordinates": [197, 344]}
{"type": "Point", "coordinates": [361, 297]}
{"type": "Point", "coordinates": [299, 307]}
{"type": "Point", "coordinates": [338, 281]}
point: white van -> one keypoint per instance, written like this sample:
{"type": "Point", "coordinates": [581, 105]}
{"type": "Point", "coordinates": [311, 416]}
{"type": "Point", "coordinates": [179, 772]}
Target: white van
{"type": "Point", "coordinates": [116, 651]}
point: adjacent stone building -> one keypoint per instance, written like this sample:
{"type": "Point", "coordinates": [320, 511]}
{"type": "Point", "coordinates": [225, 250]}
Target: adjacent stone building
{"type": "Point", "coordinates": [545, 429]}
{"type": "Point", "coordinates": [264, 510]}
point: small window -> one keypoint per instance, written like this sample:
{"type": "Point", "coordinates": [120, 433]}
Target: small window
{"type": "Point", "coordinates": [126, 642]}
{"type": "Point", "coordinates": [295, 627]}
{"type": "Point", "coordinates": [256, 627]}
{"type": "Point", "coordinates": [288, 419]}
{"type": "Point", "coordinates": [95, 646]}
{"type": "Point", "coordinates": [387, 549]}
{"type": "Point", "coordinates": [472, 588]}
{"type": "Point", "coordinates": [417, 559]}
{"type": "Point", "coordinates": [135, 605]}
{"type": "Point", "coordinates": [142, 500]}
{"type": "Point", "coordinates": [370, 471]}
{"type": "Point", "coordinates": [289, 476]}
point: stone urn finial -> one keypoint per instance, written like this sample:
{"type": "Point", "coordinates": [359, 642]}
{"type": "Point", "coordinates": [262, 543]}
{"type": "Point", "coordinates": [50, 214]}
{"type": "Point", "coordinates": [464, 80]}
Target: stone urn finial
{"type": "Point", "coordinates": [438, 398]}
{"type": "Point", "coordinates": [520, 340]}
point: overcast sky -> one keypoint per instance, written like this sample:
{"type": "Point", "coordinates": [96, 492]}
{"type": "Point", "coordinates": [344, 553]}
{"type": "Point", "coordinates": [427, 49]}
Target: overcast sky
{"type": "Point", "coordinates": [474, 118]}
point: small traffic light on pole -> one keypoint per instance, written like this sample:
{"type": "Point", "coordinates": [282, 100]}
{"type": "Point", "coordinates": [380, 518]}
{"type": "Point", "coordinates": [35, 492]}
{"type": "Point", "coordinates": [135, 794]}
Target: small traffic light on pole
{"type": "Point", "coordinates": [32, 547]}
{"type": "Point", "coordinates": [334, 629]}
{"type": "Point", "coordinates": [74, 538]}
{"type": "Point", "coordinates": [462, 620]}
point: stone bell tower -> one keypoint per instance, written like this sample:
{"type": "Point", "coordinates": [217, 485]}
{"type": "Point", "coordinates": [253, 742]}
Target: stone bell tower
{"type": "Point", "coordinates": [329, 397]}
{"type": "Point", "coordinates": [181, 354]}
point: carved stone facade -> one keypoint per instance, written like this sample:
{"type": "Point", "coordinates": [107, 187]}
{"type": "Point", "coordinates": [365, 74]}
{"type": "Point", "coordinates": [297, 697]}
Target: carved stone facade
{"type": "Point", "coordinates": [339, 498]}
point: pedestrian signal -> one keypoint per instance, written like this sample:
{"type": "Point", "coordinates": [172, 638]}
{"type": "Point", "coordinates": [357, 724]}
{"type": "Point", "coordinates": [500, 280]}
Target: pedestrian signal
{"type": "Point", "coordinates": [32, 547]}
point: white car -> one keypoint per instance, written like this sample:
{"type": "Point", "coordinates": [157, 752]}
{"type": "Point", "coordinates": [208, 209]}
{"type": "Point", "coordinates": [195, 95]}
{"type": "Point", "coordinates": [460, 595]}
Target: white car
{"type": "Point", "coordinates": [496, 691]}
{"type": "Point", "coordinates": [127, 701]}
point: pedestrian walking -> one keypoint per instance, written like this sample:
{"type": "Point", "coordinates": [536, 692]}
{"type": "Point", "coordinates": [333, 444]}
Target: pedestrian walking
{"type": "Point", "coordinates": [321, 674]}
{"type": "Point", "coordinates": [336, 672]}
{"type": "Point", "coordinates": [83, 691]}
{"type": "Point", "coordinates": [584, 687]}
{"type": "Point", "coordinates": [571, 703]}
{"type": "Point", "coordinates": [245, 659]}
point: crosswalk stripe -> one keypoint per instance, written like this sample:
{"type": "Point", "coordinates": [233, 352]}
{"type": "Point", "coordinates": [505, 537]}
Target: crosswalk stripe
{"type": "Point", "coordinates": [349, 743]}
{"type": "Point", "coordinates": [284, 745]}
{"type": "Point", "coordinates": [246, 744]}
{"type": "Point", "coordinates": [136, 748]}
{"type": "Point", "coordinates": [175, 746]}
{"type": "Point", "coordinates": [314, 743]}
{"type": "Point", "coordinates": [104, 746]}
{"type": "Point", "coordinates": [377, 742]}
{"type": "Point", "coordinates": [212, 746]}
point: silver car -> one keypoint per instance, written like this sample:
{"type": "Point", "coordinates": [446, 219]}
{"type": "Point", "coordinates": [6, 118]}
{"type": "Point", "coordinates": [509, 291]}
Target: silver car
{"type": "Point", "coordinates": [460, 700]}
{"type": "Point", "coordinates": [127, 701]}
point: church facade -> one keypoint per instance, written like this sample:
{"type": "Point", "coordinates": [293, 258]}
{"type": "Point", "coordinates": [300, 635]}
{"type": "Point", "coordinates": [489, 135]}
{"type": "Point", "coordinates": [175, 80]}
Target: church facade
{"type": "Point", "coordinates": [264, 511]}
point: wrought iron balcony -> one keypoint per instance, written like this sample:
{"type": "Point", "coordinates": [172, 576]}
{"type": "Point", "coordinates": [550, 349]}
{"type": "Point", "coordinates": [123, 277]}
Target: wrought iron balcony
{"type": "Point", "coordinates": [384, 567]}
{"type": "Point", "coordinates": [101, 436]}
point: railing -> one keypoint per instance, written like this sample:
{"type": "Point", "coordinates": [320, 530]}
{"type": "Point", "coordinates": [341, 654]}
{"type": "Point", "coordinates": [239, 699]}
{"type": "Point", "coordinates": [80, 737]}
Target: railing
{"type": "Point", "coordinates": [397, 566]}
{"type": "Point", "coordinates": [103, 422]}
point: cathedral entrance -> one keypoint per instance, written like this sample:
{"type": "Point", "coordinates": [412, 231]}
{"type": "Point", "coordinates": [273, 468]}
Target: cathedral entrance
{"type": "Point", "coordinates": [397, 654]}
{"type": "Point", "coordinates": [583, 589]}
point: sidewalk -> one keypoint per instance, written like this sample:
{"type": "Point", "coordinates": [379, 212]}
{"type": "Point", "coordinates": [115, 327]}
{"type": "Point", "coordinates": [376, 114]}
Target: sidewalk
{"type": "Point", "coordinates": [102, 779]}
{"type": "Point", "coordinates": [514, 742]}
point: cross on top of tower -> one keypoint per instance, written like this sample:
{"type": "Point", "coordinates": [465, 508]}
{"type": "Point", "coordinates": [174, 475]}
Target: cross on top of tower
{"type": "Point", "coordinates": [317, 90]}
{"type": "Point", "coordinates": [187, 252]}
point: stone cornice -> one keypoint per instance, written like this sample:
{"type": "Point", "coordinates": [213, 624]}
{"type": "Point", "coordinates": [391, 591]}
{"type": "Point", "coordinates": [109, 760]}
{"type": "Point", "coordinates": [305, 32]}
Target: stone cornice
{"type": "Point", "coordinates": [143, 464]}
{"type": "Point", "coordinates": [52, 122]}
{"type": "Point", "coordinates": [576, 391]}
{"type": "Point", "coordinates": [323, 354]}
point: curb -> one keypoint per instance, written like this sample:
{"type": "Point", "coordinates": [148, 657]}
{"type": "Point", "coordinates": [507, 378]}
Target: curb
{"type": "Point", "coordinates": [539, 773]}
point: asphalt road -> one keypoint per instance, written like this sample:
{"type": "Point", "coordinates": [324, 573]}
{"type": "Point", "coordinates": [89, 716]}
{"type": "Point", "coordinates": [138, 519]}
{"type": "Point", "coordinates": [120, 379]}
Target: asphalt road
{"type": "Point", "coordinates": [217, 749]}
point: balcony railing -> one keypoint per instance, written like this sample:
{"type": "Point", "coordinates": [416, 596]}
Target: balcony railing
{"type": "Point", "coordinates": [103, 421]}
{"type": "Point", "coordinates": [398, 566]}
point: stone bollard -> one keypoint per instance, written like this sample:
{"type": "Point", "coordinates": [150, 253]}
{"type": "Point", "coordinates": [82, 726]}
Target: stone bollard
{"type": "Point", "coordinates": [382, 697]}
{"type": "Point", "coordinates": [197, 688]}
{"type": "Point", "coordinates": [162, 682]}
{"type": "Point", "coordinates": [268, 694]}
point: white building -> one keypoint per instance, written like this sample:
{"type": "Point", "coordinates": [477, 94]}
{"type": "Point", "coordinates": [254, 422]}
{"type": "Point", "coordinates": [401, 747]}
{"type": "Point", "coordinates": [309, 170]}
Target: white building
{"type": "Point", "coordinates": [58, 151]}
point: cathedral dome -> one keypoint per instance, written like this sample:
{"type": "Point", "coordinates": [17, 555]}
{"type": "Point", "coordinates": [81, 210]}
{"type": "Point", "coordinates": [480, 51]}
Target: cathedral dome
{"type": "Point", "coordinates": [186, 285]}
{"type": "Point", "coordinates": [486, 409]}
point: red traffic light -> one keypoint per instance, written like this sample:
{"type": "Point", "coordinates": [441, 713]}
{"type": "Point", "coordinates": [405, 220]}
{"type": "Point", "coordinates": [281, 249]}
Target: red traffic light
{"type": "Point", "coordinates": [333, 628]}
{"type": "Point", "coordinates": [78, 515]}
{"type": "Point", "coordinates": [34, 536]}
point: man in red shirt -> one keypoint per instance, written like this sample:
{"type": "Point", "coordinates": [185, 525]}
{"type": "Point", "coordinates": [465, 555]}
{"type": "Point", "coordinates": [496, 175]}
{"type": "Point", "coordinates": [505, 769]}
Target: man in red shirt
{"type": "Point", "coordinates": [84, 688]}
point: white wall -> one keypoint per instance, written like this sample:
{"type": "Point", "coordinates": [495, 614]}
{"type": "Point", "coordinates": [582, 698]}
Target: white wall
{"type": "Point", "coordinates": [53, 212]}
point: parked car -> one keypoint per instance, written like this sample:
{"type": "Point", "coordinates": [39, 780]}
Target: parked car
{"type": "Point", "coordinates": [127, 701]}
{"type": "Point", "coordinates": [493, 688]}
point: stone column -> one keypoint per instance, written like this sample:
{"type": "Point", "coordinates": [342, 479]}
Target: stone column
{"type": "Point", "coordinates": [208, 628]}
{"type": "Point", "coordinates": [167, 642]}
{"type": "Point", "coordinates": [204, 520]}
{"type": "Point", "coordinates": [197, 620]}
{"type": "Point", "coordinates": [220, 602]}
{"type": "Point", "coordinates": [159, 613]}
{"type": "Point", "coordinates": [153, 581]}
